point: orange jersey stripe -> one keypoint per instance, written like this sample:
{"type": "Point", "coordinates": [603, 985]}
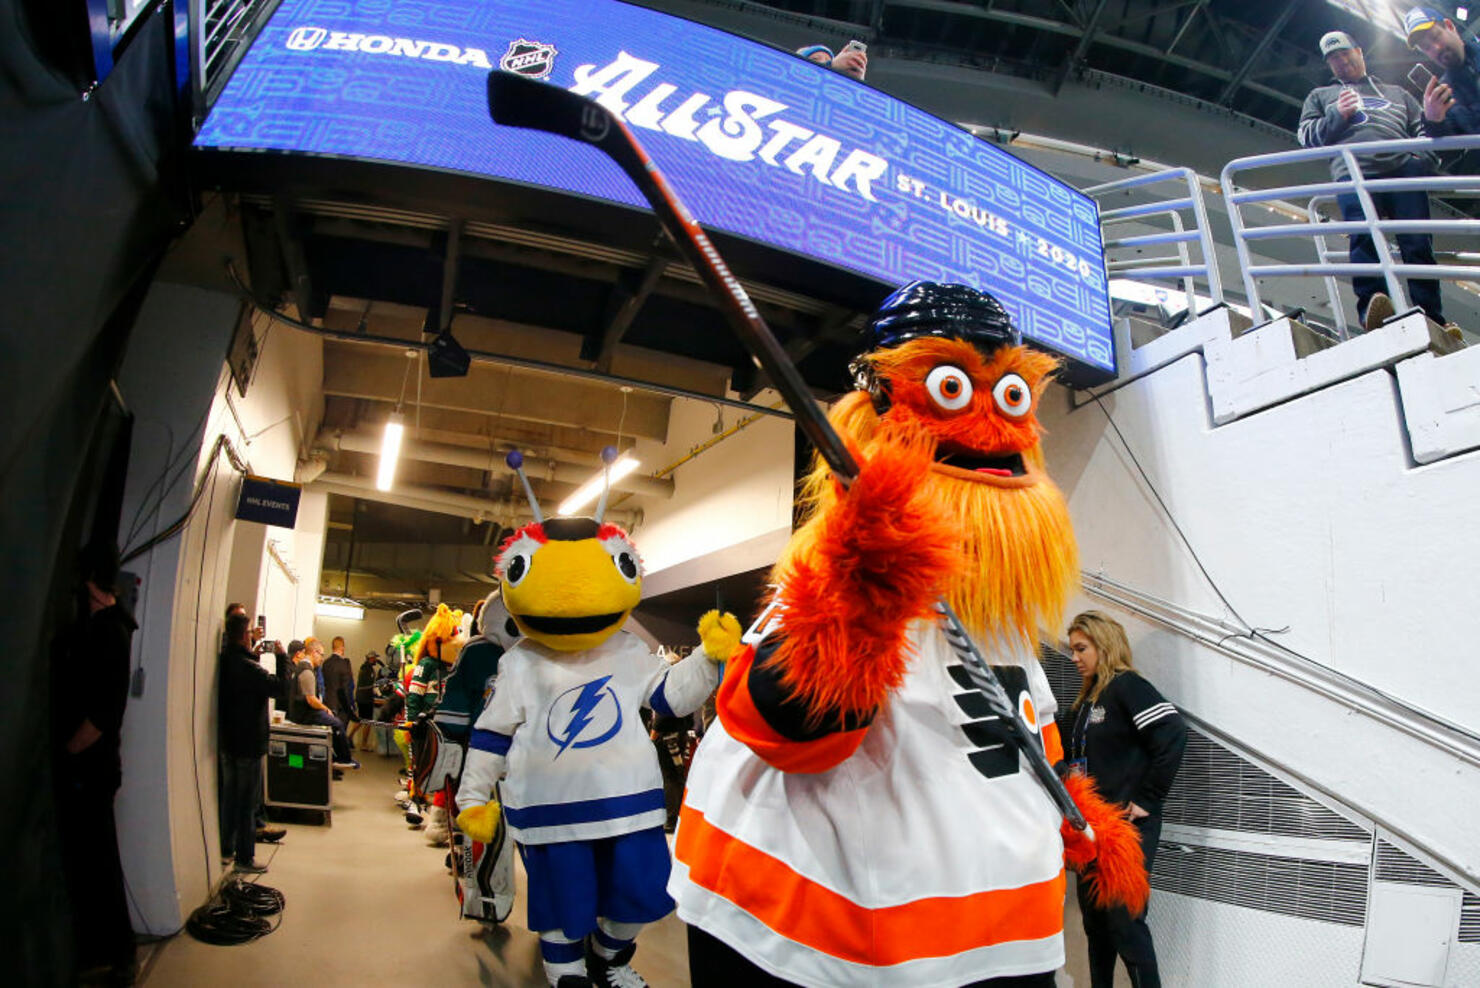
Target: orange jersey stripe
{"type": "Point", "coordinates": [817, 917]}
{"type": "Point", "coordinates": [1053, 745]}
{"type": "Point", "coordinates": [738, 712]}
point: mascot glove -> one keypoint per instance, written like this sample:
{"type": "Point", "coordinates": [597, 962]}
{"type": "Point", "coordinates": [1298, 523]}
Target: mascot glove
{"type": "Point", "coordinates": [479, 822]}
{"type": "Point", "coordinates": [720, 635]}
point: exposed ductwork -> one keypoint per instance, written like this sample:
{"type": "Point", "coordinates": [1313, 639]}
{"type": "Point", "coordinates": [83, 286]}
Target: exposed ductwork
{"type": "Point", "coordinates": [479, 509]}
{"type": "Point", "coordinates": [462, 456]}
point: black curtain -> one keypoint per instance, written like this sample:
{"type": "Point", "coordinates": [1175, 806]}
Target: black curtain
{"type": "Point", "coordinates": [89, 199]}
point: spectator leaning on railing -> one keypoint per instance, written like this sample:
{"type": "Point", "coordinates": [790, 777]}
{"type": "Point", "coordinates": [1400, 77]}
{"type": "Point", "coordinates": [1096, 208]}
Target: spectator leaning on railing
{"type": "Point", "coordinates": [1358, 108]}
{"type": "Point", "coordinates": [1451, 103]}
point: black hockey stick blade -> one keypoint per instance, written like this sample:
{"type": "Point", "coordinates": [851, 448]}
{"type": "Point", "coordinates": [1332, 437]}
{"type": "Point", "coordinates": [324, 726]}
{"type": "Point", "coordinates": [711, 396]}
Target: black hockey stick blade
{"type": "Point", "coordinates": [517, 101]}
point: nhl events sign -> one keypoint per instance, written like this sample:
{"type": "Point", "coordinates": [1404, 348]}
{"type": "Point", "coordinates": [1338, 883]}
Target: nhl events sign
{"type": "Point", "coordinates": [759, 143]}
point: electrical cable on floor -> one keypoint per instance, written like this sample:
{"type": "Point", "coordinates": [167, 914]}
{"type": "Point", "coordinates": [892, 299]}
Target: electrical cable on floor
{"type": "Point", "coordinates": [239, 913]}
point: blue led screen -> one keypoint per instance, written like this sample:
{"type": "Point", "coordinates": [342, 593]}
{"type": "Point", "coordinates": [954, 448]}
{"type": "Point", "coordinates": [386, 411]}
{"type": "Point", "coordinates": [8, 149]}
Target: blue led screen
{"type": "Point", "coordinates": [758, 142]}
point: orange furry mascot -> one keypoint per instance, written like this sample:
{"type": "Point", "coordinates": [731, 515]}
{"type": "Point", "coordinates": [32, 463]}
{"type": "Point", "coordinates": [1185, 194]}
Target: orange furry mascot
{"type": "Point", "coordinates": [858, 816]}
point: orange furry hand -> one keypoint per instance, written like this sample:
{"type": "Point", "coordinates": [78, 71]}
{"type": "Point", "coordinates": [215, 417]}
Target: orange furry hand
{"type": "Point", "coordinates": [876, 559]}
{"type": "Point", "coordinates": [1109, 856]}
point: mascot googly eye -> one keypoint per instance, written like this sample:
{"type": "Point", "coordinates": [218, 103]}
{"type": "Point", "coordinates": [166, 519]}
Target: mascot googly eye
{"type": "Point", "coordinates": [949, 387]}
{"type": "Point", "coordinates": [1013, 396]}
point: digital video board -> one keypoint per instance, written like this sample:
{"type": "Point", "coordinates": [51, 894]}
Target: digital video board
{"type": "Point", "coordinates": [759, 143]}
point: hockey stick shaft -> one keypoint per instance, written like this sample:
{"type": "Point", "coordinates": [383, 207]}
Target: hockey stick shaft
{"type": "Point", "coordinates": [520, 102]}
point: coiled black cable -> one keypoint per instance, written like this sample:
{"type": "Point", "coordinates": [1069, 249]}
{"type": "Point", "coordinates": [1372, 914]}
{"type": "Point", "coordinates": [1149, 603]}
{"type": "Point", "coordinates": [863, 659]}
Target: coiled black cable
{"type": "Point", "coordinates": [237, 914]}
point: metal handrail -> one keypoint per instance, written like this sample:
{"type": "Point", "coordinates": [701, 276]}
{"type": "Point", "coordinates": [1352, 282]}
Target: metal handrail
{"type": "Point", "coordinates": [1180, 266]}
{"type": "Point", "coordinates": [1363, 188]}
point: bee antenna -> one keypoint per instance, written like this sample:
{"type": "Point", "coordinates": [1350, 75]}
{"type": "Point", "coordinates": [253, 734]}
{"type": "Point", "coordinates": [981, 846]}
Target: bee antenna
{"type": "Point", "coordinates": [515, 461]}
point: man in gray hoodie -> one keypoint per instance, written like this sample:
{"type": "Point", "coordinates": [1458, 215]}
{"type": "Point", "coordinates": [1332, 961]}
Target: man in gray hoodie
{"type": "Point", "coordinates": [1359, 108]}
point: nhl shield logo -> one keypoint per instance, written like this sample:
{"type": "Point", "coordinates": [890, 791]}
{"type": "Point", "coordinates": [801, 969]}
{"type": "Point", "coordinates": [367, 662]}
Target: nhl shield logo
{"type": "Point", "coordinates": [534, 59]}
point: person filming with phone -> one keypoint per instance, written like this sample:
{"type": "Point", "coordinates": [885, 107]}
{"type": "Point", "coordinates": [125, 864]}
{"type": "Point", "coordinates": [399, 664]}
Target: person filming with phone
{"type": "Point", "coordinates": [852, 60]}
{"type": "Point", "coordinates": [1355, 109]}
{"type": "Point", "coordinates": [1451, 104]}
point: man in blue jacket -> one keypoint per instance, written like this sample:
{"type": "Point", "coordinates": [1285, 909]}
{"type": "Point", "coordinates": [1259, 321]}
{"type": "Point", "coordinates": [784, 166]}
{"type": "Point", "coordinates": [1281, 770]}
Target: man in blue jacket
{"type": "Point", "coordinates": [1451, 104]}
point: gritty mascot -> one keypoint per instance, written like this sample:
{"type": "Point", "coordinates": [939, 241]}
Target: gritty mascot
{"type": "Point", "coordinates": [857, 816]}
{"type": "Point", "coordinates": [582, 793]}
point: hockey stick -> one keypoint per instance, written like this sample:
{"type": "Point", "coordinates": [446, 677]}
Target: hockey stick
{"type": "Point", "coordinates": [517, 101]}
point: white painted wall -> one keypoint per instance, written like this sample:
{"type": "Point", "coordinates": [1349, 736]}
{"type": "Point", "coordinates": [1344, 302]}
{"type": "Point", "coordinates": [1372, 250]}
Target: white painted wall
{"type": "Point", "coordinates": [175, 381]}
{"type": "Point", "coordinates": [736, 492]}
{"type": "Point", "coordinates": [1310, 516]}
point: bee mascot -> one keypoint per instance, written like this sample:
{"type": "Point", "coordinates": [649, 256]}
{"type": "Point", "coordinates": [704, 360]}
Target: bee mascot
{"type": "Point", "coordinates": [582, 794]}
{"type": "Point", "coordinates": [857, 816]}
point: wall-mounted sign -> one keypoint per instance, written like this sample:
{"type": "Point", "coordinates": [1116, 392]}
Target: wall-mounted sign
{"type": "Point", "coordinates": [272, 502]}
{"type": "Point", "coordinates": [759, 143]}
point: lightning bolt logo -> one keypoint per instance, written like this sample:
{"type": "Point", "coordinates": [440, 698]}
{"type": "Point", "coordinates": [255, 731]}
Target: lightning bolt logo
{"type": "Point", "coordinates": [584, 707]}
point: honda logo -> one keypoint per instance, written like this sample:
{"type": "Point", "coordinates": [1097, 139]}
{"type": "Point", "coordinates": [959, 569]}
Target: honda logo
{"type": "Point", "coordinates": [306, 38]}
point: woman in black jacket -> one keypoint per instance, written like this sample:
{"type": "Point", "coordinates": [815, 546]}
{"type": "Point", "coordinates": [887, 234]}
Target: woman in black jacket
{"type": "Point", "coordinates": [1129, 739]}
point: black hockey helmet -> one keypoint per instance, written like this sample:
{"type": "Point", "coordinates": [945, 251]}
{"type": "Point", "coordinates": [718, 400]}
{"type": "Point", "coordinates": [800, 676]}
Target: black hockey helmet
{"type": "Point", "coordinates": [931, 308]}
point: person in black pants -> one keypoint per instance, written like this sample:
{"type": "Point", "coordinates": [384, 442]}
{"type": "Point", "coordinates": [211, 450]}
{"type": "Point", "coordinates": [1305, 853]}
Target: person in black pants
{"type": "Point", "coordinates": [244, 689]}
{"type": "Point", "coordinates": [305, 705]}
{"type": "Point", "coordinates": [89, 691]}
{"type": "Point", "coordinates": [1129, 739]}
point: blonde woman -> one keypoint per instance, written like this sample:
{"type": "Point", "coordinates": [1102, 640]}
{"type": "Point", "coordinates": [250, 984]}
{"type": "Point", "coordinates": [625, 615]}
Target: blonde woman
{"type": "Point", "coordinates": [1129, 739]}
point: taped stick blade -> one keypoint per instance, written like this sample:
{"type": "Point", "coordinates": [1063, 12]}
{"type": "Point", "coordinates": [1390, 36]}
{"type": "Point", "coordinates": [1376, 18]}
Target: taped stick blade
{"type": "Point", "coordinates": [518, 101]}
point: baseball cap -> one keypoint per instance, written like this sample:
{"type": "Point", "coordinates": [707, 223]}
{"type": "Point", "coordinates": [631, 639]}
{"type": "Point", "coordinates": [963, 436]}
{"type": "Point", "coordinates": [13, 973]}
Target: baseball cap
{"type": "Point", "coordinates": [810, 50]}
{"type": "Point", "coordinates": [294, 647]}
{"type": "Point", "coordinates": [1336, 41]}
{"type": "Point", "coordinates": [1420, 19]}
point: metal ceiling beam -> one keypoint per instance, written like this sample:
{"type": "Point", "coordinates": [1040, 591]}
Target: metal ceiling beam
{"type": "Point", "coordinates": [1191, 15]}
{"type": "Point", "coordinates": [1226, 97]}
{"type": "Point", "coordinates": [376, 373]}
{"type": "Point", "coordinates": [492, 460]}
{"type": "Point", "coordinates": [1109, 40]}
{"type": "Point", "coordinates": [1085, 40]}
{"type": "Point", "coordinates": [628, 296]}
{"type": "Point", "coordinates": [450, 260]}
{"type": "Point", "coordinates": [509, 514]}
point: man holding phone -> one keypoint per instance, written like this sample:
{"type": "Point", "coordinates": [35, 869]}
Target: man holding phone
{"type": "Point", "coordinates": [1451, 105]}
{"type": "Point", "coordinates": [852, 60]}
{"type": "Point", "coordinates": [1355, 109]}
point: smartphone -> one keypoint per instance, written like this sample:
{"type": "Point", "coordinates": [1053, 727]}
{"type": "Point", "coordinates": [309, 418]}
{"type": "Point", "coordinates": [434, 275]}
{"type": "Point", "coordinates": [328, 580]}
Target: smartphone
{"type": "Point", "coordinates": [855, 45]}
{"type": "Point", "coordinates": [262, 625]}
{"type": "Point", "coordinates": [1420, 76]}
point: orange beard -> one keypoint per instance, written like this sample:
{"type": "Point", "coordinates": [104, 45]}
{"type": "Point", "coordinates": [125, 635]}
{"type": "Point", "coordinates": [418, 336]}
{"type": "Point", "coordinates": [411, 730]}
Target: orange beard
{"type": "Point", "coordinates": [1021, 562]}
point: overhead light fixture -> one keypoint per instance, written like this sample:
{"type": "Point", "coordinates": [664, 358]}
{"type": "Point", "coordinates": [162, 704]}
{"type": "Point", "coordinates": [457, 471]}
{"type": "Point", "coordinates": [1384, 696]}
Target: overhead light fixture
{"type": "Point", "coordinates": [1463, 13]}
{"type": "Point", "coordinates": [588, 491]}
{"type": "Point", "coordinates": [390, 452]}
{"type": "Point", "coordinates": [339, 607]}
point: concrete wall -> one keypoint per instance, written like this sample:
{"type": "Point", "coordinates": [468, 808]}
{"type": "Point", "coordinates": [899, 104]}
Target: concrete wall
{"type": "Point", "coordinates": [731, 508]}
{"type": "Point", "coordinates": [1308, 512]}
{"type": "Point", "coordinates": [175, 381]}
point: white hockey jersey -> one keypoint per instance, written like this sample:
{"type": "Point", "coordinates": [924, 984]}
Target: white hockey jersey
{"type": "Point", "coordinates": [927, 855]}
{"type": "Point", "coordinates": [565, 726]}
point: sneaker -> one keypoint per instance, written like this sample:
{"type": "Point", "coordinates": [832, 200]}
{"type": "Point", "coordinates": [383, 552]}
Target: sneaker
{"type": "Point", "coordinates": [1453, 331]}
{"type": "Point", "coordinates": [1379, 310]}
{"type": "Point", "coordinates": [614, 973]}
{"type": "Point", "coordinates": [251, 868]}
{"type": "Point", "coordinates": [270, 834]}
{"type": "Point", "coordinates": [338, 775]}
{"type": "Point", "coordinates": [349, 764]}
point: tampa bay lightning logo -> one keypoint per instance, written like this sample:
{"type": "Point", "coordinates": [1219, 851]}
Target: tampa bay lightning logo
{"type": "Point", "coordinates": [584, 716]}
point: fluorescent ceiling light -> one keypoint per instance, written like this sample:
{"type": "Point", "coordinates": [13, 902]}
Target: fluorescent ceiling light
{"type": "Point", "coordinates": [588, 491]}
{"type": "Point", "coordinates": [1463, 13]}
{"type": "Point", "coordinates": [390, 452]}
{"type": "Point", "coordinates": [345, 610]}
